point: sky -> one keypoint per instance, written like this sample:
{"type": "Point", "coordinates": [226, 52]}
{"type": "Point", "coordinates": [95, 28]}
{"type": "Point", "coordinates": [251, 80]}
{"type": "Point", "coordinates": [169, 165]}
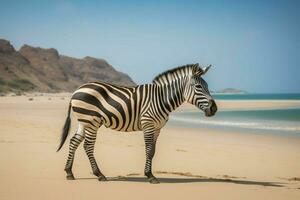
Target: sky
{"type": "Point", "coordinates": [252, 45]}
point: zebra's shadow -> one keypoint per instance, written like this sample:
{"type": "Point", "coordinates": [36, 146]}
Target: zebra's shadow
{"type": "Point", "coordinates": [195, 180]}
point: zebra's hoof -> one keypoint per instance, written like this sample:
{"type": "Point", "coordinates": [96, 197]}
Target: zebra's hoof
{"type": "Point", "coordinates": [102, 178]}
{"type": "Point", "coordinates": [70, 177]}
{"type": "Point", "coordinates": [153, 180]}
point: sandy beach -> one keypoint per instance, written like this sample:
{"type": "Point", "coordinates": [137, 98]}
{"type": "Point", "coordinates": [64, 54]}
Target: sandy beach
{"type": "Point", "coordinates": [190, 163]}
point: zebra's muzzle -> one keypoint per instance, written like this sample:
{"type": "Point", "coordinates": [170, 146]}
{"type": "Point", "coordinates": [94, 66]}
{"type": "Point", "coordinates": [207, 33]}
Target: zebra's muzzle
{"type": "Point", "coordinates": [211, 109]}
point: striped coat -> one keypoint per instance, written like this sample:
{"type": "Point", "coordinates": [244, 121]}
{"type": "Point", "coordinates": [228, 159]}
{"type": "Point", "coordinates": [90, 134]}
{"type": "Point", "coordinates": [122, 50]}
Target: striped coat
{"type": "Point", "coordinates": [142, 108]}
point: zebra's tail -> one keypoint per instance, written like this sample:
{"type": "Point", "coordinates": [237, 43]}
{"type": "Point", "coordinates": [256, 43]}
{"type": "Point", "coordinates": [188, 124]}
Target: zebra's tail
{"type": "Point", "coordinates": [65, 130]}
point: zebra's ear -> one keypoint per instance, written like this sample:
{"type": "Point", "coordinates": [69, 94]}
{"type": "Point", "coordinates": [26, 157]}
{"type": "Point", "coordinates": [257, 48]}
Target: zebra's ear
{"type": "Point", "coordinates": [197, 70]}
{"type": "Point", "coordinates": [205, 69]}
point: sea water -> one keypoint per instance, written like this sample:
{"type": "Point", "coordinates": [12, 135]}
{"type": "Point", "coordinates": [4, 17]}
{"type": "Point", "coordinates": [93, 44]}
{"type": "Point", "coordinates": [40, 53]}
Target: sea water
{"type": "Point", "coordinates": [285, 121]}
{"type": "Point", "coordinates": [292, 96]}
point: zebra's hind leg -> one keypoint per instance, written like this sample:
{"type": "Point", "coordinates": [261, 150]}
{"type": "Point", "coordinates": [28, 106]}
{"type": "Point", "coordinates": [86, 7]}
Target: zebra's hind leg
{"type": "Point", "coordinates": [89, 144]}
{"type": "Point", "coordinates": [150, 137]}
{"type": "Point", "coordinates": [74, 143]}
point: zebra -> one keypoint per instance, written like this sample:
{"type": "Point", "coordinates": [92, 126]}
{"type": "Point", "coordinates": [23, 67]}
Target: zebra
{"type": "Point", "coordinates": [139, 108]}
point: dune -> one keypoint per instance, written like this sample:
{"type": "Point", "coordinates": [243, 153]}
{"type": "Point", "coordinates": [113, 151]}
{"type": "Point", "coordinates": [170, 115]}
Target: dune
{"type": "Point", "coordinates": [190, 163]}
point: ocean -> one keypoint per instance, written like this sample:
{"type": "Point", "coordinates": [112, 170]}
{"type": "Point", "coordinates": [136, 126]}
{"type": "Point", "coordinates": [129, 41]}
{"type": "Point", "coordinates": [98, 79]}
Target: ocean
{"type": "Point", "coordinates": [285, 121]}
{"type": "Point", "coordinates": [292, 96]}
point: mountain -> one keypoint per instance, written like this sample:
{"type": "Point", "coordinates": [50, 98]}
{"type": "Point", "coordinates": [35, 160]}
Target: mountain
{"type": "Point", "coordinates": [45, 70]}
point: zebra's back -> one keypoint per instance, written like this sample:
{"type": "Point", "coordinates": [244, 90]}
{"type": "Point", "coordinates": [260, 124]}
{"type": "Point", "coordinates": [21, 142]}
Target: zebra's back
{"type": "Point", "coordinates": [116, 107]}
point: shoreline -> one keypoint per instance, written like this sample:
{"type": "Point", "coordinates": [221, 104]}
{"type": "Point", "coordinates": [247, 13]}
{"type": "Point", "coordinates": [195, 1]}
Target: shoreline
{"type": "Point", "coordinates": [236, 129]}
{"type": "Point", "coordinates": [224, 105]}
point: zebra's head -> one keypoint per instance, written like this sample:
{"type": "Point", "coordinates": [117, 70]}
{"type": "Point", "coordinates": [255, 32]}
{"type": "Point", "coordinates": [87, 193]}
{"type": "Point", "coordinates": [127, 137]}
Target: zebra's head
{"type": "Point", "coordinates": [197, 92]}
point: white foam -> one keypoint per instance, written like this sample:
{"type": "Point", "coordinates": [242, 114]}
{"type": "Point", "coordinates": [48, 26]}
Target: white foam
{"type": "Point", "coordinates": [242, 124]}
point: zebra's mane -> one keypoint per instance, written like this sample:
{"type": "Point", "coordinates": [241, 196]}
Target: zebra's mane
{"type": "Point", "coordinates": [184, 68]}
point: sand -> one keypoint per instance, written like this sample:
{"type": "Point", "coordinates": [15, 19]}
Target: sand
{"type": "Point", "coordinates": [190, 163]}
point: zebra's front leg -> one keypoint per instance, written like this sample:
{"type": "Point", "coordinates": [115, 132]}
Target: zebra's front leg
{"type": "Point", "coordinates": [150, 137]}
{"type": "Point", "coordinates": [89, 144]}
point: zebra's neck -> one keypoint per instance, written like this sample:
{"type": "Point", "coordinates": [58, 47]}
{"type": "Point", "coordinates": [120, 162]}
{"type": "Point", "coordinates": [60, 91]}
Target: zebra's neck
{"type": "Point", "coordinates": [172, 94]}
{"type": "Point", "coordinates": [172, 84]}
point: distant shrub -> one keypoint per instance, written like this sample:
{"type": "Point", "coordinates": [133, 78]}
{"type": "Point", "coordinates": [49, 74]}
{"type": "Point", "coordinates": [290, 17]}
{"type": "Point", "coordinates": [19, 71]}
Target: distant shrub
{"type": "Point", "coordinates": [2, 89]}
{"type": "Point", "coordinates": [17, 86]}
{"type": "Point", "coordinates": [52, 86]}
{"type": "Point", "coordinates": [2, 82]}
{"type": "Point", "coordinates": [18, 93]}
{"type": "Point", "coordinates": [3, 86]}
{"type": "Point", "coordinates": [20, 84]}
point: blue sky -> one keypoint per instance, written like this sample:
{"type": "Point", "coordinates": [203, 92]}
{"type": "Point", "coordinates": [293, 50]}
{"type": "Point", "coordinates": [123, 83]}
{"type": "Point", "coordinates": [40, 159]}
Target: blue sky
{"type": "Point", "coordinates": [252, 45]}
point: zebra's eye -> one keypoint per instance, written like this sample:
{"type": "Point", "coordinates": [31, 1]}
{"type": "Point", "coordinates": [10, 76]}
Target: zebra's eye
{"type": "Point", "coordinates": [198, 86]}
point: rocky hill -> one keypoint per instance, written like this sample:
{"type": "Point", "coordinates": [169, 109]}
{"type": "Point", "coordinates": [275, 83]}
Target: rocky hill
{"type": "Point", "coordinates": [45, 70]}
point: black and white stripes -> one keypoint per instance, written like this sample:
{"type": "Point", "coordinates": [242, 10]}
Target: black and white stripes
{"type": "Point", "coordinates": [142, 108]}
